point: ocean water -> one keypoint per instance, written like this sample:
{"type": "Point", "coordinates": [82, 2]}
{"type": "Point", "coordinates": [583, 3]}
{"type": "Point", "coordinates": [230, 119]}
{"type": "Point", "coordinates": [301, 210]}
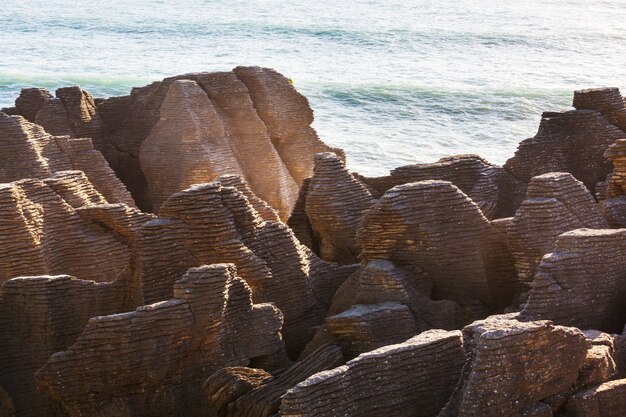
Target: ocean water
{"type": "Point", "coordinates": [391, 82]}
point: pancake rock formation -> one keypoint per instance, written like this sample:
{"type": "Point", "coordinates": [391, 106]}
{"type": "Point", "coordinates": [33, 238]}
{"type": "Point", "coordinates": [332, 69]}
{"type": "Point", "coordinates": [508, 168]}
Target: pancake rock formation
{"type": "Point", "coordinates": [211, 223]}
{"type": "Point", "coordinates": [555, 203]}
{"type": "Point", "coordinates": [434, 226]}
{"type": "Point", "coordinates": [411, 379]}
{"type": "Point", "coordinates": [152, 361]}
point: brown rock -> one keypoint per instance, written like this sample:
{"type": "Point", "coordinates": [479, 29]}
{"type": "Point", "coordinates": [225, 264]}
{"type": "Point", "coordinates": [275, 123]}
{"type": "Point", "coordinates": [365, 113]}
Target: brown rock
{"type": "Point", "coordinates": [414, 378]}
{"type": "Point", "coordinates": [599, 365]}
{"type": "Point", "coordinates": [381, 305]}
{"type": "Point", "coordinates": [152, 361]}
{"type": "Point", "coordinates": [608, 101]}
{"type": "Point", "coordinates": [335, 203]}
{"type": "Point", "coordinates": [210, 223]}
{"type": "Point", "coordinates": [44, 234]}
{"type": "Point", "coordinates": [605, 400]}
{"type": "Point", "coordinates": [30, 102]}
{"type": "Point", "coordinates": [614, 211]}
{"type": "Point", "coordinates": [264, 400]}
{"type": "Point", "coordinates": [42, 315]}
{"type": "Point", "coordinates": [228, 384]}
{"type": "Point", "coordinates": [434, 226]}
{"type": "Point", "coordinates": [555, 203]}
{"type": "Point", "coordinates": [496, 192]}
{"type": "Point", "coordinates": [27, 151]}
{"type": "Point", "coordinates": [513, 365]}
{"type": "Point", "coordinates": [566, 290]}
{"type": "Point", "coordinates": [572, 141]}
{"type": "Point", "coordinates": [6, 405]}
{"type": "Point", "coordinates": [616, 153]}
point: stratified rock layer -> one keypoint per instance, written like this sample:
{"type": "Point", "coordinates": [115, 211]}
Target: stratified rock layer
{"type": "Point", "coordinates": [264, 399]}
{"type": "Point", "coordinates": [605, 400]}
{"type": "Point", "coordinates": [152, 361]}
{"type": "Point", "coordinates": [608, 101]}
{"type": "Point", "coordinates": [582, 282]}
{"type": "Point", "coordinates": [555, 203]}
{"type": "Point", "coordinates": [45, 234]}
{"type": "Point", "coordinates": [496, 192]}
{"type": "Point", "coordinates": [335, 203]}
{"type": "Point", "coordinates": [40, 316]}
{"type": "Point", "coordinates": [210, 223]}
{"type": "Point", "coordinates": [27, 151]}
{"type": "Point", "coordinates": [412, 379]}
{"type": "Point", "coordinates": [434, 226]}
{"type": "Point", "coordinates": [573, 142]}
{"type": "Point", "coordinates": [616, 153]}
{"type": "Point", "coordinates": [513, 365]}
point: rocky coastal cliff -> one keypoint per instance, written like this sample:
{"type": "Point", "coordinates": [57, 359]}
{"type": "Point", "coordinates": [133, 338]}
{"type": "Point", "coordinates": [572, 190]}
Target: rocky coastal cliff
{"type": "Point", "coordinates": [194, 249]}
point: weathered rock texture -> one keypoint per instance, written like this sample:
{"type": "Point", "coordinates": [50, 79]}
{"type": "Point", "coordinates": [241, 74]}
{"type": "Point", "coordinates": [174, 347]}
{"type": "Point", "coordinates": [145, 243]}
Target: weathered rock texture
{"type": "Point", "coordinates": [496, 192]}
{"type": "Point", "coordinates": [513, 365]}
{"type": "Point", "coordinates": [262, 399]}
{"type": "Point", "coordinates": [608, 101]}
{"type": "Point", "coordinates": [555, 203]}
{"type": "Point", "coordinates": [616, 153]}
{"type": "Point", "coordinates": [573, 142]}
{"type": "Point", "coordinates": [211, 223]}
{"type": "Point", "coordinates": [414, 378]}
{"type": "Point", "coordinates": [381, 305]}
{"type": "Point", "coordinates": [434, 226]}
{"type": "Point", "coordinates": [44, 233]}
{"type": "Point", "coordinates": [334, 204]}
{"type": "Point", "coordinates": [582, 282]}
{"type": "Point", "coordinates": [605, 400]}
{"type": "Point", "coordinates": [152, 361]}
{"type": "Point", "coordinates": [40, 316]}
{"type": "Point", "coordinates": [27, 151]}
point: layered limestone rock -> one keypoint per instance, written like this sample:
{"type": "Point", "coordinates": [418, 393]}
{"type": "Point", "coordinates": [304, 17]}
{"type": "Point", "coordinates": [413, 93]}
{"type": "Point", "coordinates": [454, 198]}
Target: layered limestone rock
{"type": "Point", "coordinates": [434, 226]}
{"type": "Point", "coordinates": [616, 153]}
{"type": "Point", "coordinates": [514, 365]}
{"type": "Point", "coordinates": [6, 405]}
{"type": "Point", "coordinates": [244, 122]}
{"type": "Point", "coordinates": [555, 203]}
{"type": "Point", "coordinates": [582, 282]}
{"type": "Point", "coordinates": [572, 141]}
{"type": "Point", "coordinates": [202, 140]}
{"type": "Point", "coordinates": [211, 223]}
{"type": "Point", "coordinates": [152, 361]}
{"type": "Point", "coordinates": [605, 400]}
{"type": "Point", "coordinates": [608, 101]}
{"type": "Point", "coordinates": [260, 396]}
{"type": "Point", "coordinates": [334, 204]}
{"type": "Point", "coordinates": [27, 151]}
{"type": "Point", "coordinates": [414, 378]}
{"type": "Point", "coordinates": [496, 192]}
{"type": "Point", "coordinates": [42, 315]}
{"type": "Point", "coordinates": [45, 234]}
{"type": "Point", "coordinates": [252, 118]}
{"type": "Point", "coordinates": [381, 305]}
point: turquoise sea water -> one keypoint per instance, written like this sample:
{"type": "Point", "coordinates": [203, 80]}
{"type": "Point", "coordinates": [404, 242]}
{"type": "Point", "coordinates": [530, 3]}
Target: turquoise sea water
{"type": "Point", "coordinates": [392, 82]}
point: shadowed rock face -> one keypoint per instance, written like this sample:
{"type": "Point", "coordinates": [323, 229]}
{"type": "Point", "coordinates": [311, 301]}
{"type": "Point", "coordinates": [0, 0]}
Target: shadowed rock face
{"type": "Point", "coordinates": [434, 226]}
{"type": "Point", "coordinates": [152, 361]}
{"type": "Point", "coordinates": [27, 151]}
{"type": "Point", "coordinates": [555, 203]}
{"type": "Point", "coordinates": [262, 399]}
{"type": "Point", "coordinates": [414, 378]}
{"type": "Point", "coordinates": [334, 204]}
{"type": "Point", "coordinates": [381, 305]}
{"type": "Point", "coordinates": [210, 223]}
{"type": "Point", "coordinates": [582, 282]}
{"type": "Point", "coordinates": [604, 400]}
{"type": "Point", "coordinates": [573, 142]}
{"type": "Point", "coordinates": [40, 316]}
{"type": "Point", "coordinates": [513, 365]}
{"type": "Point", "coordinates": [497, 193]}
